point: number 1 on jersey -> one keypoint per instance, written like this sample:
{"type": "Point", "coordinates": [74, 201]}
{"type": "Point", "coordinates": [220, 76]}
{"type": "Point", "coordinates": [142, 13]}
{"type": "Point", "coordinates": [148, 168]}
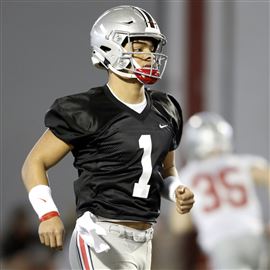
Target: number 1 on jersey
{"type": "Point", "coordinates": [141, 189]}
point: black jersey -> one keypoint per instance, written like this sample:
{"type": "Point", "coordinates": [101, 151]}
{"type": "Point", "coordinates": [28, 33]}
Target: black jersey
{"type": "Point", "coordinates": [118, 152]}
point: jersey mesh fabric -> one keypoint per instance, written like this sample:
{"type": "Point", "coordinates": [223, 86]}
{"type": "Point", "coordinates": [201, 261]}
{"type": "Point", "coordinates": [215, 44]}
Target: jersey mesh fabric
{"type": "Point", "coordinates": [105, 134]}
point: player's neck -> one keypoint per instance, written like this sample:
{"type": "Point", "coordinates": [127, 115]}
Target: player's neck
{"type": "Point", "coordinates": [129, 91]}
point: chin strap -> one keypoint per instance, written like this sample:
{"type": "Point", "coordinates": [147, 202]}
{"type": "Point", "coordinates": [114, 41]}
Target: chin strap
{"type": "Point", "coordinates": [121, 73]}
{"type": "Point", "coordinates": [144, 75]}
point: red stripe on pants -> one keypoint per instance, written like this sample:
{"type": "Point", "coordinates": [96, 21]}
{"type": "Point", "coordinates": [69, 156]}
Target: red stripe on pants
{"type": "Point", "coordinates": [84, 254]}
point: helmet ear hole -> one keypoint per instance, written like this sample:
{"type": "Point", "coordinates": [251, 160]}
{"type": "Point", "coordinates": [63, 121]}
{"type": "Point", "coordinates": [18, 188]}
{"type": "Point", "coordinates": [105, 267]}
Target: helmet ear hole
{"type": "Point", "coordinates": [98, 59]}
{"type": "Point", "coordinates": [105, 48]}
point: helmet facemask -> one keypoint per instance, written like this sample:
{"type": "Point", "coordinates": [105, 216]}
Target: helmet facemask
{"type": "Point", "coordinates": [123, 62]}
{"type": "Point", "coordinates": [156, 60]}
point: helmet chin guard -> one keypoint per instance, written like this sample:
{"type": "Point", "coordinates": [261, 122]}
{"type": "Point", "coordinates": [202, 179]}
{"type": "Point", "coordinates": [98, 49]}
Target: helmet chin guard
{"type": "Point", "coordinates": [122, 24]}
{"type": "Point", "coordinates": [147, 76]}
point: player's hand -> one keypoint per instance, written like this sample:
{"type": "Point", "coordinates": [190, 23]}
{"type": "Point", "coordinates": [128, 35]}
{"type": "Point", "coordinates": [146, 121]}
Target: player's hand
{"type": "Point", "coordinates": [184, 199]}
{"type": "Point", "coordinates": [51, 233]}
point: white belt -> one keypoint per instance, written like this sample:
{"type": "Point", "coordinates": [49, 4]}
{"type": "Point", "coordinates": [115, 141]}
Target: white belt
{"type": "Point", "coordinates": [129, 233]}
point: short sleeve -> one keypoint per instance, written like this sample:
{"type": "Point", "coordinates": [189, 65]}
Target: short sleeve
{"type": "Point", "coordinates": [256, 161]}
{"type": "Point", "coordinates": [176, 121]}
{"type": "Point", "coordinates": [64, 120]}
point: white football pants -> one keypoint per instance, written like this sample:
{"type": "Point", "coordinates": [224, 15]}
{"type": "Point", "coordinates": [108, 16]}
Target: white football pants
{"type": "Point", "coordinates": [130, 249]}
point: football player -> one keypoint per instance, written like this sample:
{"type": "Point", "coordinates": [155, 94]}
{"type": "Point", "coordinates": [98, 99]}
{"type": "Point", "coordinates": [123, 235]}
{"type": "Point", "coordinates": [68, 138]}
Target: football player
{"type": "Point", "coordinates": [123, 137]}
{"type": "Point", "coordinates": [227, 215]}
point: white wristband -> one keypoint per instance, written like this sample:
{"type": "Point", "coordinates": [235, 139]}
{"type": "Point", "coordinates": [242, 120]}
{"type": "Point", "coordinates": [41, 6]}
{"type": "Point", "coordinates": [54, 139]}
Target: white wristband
{"type": "Point", "coordinates": [170, 184]}
{"type": "Point", "coordinates": [41, 200]}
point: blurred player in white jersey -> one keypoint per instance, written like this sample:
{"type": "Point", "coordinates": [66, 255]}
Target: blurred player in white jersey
{"type": "Point", "coordinates": [227, 214]}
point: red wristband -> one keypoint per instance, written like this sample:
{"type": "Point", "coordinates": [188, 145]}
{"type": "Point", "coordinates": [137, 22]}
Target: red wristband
{"type": "Point", "coordinates": [49, 215]}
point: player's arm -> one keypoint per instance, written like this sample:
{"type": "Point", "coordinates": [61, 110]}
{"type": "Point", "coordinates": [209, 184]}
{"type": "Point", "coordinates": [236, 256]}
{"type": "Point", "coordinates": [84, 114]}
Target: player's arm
{"type": "Point", "coordinates": [261, 173]}
{"type": "Point", "coordinates": [169, 168]}
{"type": "Point", "coordinates": [180, 224]}
{"type": "Point", "coordinates": [173, 189]}
{"type": "Point", "coordinates": [47, 152]}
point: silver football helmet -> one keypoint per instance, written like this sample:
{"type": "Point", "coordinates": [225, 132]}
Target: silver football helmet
{"type": "Point", "coordinates": [119, 26]}
{"type": "Point", "coordinates": [206, 133]}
